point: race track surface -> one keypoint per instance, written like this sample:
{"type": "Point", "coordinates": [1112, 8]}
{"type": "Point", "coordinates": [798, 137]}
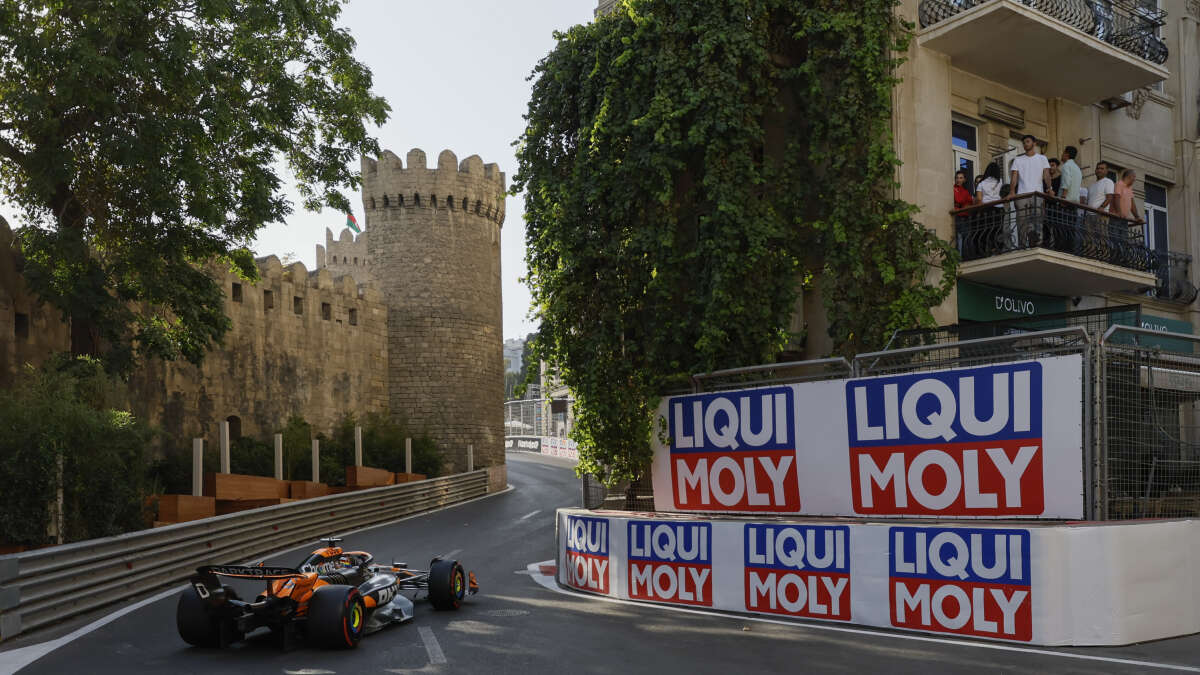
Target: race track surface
{"type": "Point", "coordinates": [517, 626]}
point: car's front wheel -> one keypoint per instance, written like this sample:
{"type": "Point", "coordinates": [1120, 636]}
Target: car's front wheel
{"type": "Point", "coordinates": [447, 584]}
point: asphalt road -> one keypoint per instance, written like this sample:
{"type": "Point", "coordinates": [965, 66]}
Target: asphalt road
{"type": "Point", "coordinates": [517, 626]}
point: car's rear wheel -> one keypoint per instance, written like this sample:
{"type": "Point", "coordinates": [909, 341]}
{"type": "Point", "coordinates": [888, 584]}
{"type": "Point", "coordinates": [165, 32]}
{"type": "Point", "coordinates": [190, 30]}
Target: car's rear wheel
{"type": "Point", "coordinates": [336, 617]}
{"type": "Point", "coordinates": [196, 625]}
{"type": "Point", "coordinates": [447, 584]}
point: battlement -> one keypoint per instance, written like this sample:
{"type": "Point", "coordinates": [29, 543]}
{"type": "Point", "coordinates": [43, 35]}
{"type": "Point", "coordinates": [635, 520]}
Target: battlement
{"type": "Point", "coordinates": [469, 186]}
{"type": "Point", "coordinates": [345, 255]}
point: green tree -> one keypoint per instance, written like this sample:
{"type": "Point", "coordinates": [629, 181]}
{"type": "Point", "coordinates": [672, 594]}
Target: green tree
{"type": "Point", "coordinates": [687, 167]}
{"type": "Point", "coordinates": [142, 141]}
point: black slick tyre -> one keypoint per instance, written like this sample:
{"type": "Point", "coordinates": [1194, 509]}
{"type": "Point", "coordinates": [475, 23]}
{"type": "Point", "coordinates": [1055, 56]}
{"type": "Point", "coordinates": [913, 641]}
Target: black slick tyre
{"type": "Point", "coordinates": [336, 617]}
{"type": "Point", "coordinates": [447, 584]}
{"type": "Point", "coordinates": [196, 625]}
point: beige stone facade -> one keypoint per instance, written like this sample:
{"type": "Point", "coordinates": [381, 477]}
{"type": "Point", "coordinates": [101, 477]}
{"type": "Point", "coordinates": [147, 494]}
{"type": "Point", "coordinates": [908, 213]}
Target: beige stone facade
{"type": "Point", "coordinates": [408, 321]}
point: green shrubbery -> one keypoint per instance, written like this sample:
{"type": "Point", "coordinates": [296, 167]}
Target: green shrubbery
{"type": "Point", "coordinates": [70, 411]}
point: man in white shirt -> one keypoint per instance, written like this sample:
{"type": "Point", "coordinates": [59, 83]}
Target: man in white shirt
{"type": "Point", "coordinates": [1030, 174]}
{"type": "Point", "coordinates": [1099, 197]}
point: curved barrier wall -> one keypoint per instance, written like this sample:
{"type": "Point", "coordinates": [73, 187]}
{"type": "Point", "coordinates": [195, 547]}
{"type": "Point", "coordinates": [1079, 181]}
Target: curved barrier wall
{"type": "Point", "coordinates": [1045, 584]}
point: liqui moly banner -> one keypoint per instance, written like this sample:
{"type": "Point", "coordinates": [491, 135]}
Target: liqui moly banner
{"type": "Point", "coordinates": [586, 561]}
{"type": "Point", "coordinates": [1001, 441]}
{"type": "Point", "coordinates": [958, 580]}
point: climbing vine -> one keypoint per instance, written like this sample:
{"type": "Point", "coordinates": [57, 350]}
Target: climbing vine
{"type": "Point", "coordinates": [688, 168]}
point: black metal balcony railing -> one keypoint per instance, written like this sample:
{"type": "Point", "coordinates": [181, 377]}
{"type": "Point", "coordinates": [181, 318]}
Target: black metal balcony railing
{"type": "Point", "coordinates": [1174, 285]}
{"type": "Point", "coordinates": [1040, 221]}
{"type": "Point", "coordinates": [1129, 25]}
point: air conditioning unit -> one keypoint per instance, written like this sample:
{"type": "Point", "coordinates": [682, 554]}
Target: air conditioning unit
{"type": "Point", "coordinates": [1119, 101]}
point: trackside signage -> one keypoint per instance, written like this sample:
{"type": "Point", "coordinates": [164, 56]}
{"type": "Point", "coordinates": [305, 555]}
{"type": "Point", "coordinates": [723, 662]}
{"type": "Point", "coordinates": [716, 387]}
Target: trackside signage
{"type": "Point", "coordinates": [967, 581]}
{"type": "Point", "coordinates": [734, 451]}
{"type": "Point", "coordinates": [962, 442]}
{"type": "Point", "coordinates": [671, 562]}
{"type": "Point", "coordinates": [798, 570]}
{"type": "Point", "coordinates": [998, 441]}
{"type": "Point", "coordinates": [586, 556]}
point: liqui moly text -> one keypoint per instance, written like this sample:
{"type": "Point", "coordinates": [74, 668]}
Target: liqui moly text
{"type": "Point", "coordinates": [959, 442]}
{"type": "Point", "coordinates": [961, 580]}
{"type": "Point", "coordinates": [587, 554]}
{"type": "Point", "coordinates": [670, 562]}
{"type": "Point", "coordinates": [734, 451]}
{"type": "Point", "coordinates": [798, 571]}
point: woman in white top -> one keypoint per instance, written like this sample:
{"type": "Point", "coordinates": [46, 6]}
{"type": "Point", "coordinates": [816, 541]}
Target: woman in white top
{"type": "Point", "coordinates": [985, 230]}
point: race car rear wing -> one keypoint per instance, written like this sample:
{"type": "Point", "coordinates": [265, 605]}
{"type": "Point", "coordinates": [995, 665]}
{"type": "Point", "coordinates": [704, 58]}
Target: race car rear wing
{"type": "Point", "coordinates": [247, 572]}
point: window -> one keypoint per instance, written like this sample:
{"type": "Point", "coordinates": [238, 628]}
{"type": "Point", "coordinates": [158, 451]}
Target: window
{"type": "Point", "coordinates": [298, 304]}
{"type": "Point", "coordinates": [237, 292]}
{"type": "Point", "coordinates": [355, 260]}
{"type": "Point", "coordinates": [21, 326]}
{"type": "Point", "coordinates": [326, 311]}
{"type": "Point", "coordinates": [963, 137]}
{"type": "Point", "coordinates": [353, 317]}
{"type": "Point", "coordinates": [268, 300]}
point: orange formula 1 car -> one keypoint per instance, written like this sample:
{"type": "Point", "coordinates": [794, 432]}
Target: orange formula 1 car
{"type": "Point", "coordinates": [333, 599]}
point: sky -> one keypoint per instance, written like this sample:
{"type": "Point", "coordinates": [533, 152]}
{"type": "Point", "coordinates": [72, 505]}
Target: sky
{"type": "Point", "coordinates": [454, 72]}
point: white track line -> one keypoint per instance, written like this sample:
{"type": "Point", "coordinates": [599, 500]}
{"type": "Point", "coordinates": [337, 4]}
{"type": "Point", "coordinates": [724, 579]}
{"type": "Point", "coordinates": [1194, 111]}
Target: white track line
{"type": "Point", "coordinates": [529, 515]}
{"type": "Point", "coordinates": [431, 645]}
{"type": "Point", "coordinates": [451, 554]}
{"type": "Point", "coordinates": [15, 659]}
{"type": "Point", "coordinates": [552, 584]}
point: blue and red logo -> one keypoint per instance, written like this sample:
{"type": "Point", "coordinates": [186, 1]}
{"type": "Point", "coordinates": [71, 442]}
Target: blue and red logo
{"type": "Point", "coordinates": [798, 571]}
{"type": "Point", "coordinates": [587, 554]}
{"type": "Point", "coordinates": [961, 580]}
{"type": "Point", "coordinates": [670, 562]}
{"type": "Point", "coordinates": [734, 451]}
{"type": "Point", "coordinates": [960, 442]}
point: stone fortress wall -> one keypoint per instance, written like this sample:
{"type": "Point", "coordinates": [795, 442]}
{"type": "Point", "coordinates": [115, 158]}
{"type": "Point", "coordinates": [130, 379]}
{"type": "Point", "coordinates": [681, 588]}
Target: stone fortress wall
{"type": "Point", "coordinates": [413, 327]}
{"type": "Point", "coordinates": [302, 343]}
{"type": "Point", "coordinates": [434, 248]}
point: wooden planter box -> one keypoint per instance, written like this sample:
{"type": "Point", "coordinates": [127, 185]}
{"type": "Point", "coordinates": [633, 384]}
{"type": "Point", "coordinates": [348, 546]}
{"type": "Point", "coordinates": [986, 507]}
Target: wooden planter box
{"type": "Point", "coordinates": [182, 508]}
{"type": "Point", "coordinates": [409, 477]}
{"type": "Point", "coordinates": [305, 489]}
{"type": "Point", "coordinates": [238, 486]}
{"type": "Point", "coordinates": [365, 476]}
{"type": "Point", "coordinates": [225, 506]}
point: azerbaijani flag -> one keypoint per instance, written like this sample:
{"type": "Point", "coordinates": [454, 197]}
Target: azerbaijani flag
{"type": "Point", "coordinates": [352, 223]}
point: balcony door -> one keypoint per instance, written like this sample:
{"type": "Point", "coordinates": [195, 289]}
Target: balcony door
{"type": "Point", "coordinates": [964, 136]}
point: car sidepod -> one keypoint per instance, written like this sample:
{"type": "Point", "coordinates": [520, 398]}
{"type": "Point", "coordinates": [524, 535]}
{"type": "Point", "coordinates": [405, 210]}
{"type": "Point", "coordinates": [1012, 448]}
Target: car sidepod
{"type": "Point", "coordinates": [386, 604]}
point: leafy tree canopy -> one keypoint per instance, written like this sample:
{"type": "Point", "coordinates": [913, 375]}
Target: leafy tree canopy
{"type": "Point", "coordinates": [141, 140]}
{"type": "Point", "coordinates": [687, 168]}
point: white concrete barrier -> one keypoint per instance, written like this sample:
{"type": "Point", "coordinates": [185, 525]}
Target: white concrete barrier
{"type": "Point", "coordinates": [1047, 584]}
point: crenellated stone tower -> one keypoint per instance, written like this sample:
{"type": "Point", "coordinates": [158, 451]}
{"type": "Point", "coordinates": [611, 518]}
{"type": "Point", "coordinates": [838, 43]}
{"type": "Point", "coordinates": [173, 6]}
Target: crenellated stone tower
{"type": "Point", "coordinates": [433, 242]}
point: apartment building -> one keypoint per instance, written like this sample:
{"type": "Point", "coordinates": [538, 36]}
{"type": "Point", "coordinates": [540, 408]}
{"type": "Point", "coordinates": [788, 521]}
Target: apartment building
{"type": "Point", "coordinates": [1116, 79]}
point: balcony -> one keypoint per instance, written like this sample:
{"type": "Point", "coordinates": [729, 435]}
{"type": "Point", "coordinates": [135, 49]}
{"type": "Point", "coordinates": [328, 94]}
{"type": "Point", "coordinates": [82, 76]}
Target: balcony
{"type": "Point", "coordinates": [1044, 244]}
{"type": "Point", "coordinates": [1081, 50]}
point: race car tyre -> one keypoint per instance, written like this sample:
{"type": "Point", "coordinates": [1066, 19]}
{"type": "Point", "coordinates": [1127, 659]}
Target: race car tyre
{"type": "Point", "coordinates": [447, 584]}
{"type": "Point", "coordinates": [196, 625]}
{"type": "Point", "coordinates": [336, 617]}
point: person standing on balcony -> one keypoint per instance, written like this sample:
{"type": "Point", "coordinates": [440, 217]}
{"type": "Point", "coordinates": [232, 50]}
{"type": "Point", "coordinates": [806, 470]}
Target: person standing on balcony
{"type": "Point", "coordinates": [1068, 190]}
{"type": "Point", "coordinates": [985, 230]}
{"type": "Point", "coordinates": [1030, 175]}
{"type": "Point", "coordinates": [962, 196]}
{"type": "Point", "coordinates": [1122, 200]}
{"type": "Point", "coordinates": [1100, 197]}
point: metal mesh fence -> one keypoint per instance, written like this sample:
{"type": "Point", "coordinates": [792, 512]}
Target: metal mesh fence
{"type": "Point", "coordinates": [1095, 321]}
{"type": "Point", "coordinates": [549, 418]}
{"type": "Point", "coordinates": [1150, 430]}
